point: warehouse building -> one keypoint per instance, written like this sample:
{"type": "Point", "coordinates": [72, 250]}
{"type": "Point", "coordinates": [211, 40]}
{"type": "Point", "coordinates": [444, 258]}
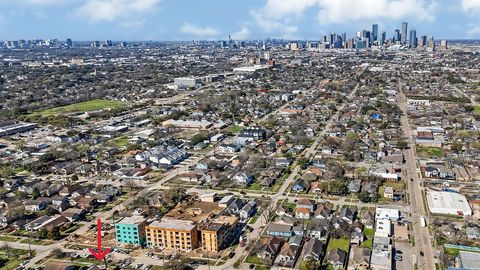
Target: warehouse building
{"type": "Point", "coordinates": [449, 203]}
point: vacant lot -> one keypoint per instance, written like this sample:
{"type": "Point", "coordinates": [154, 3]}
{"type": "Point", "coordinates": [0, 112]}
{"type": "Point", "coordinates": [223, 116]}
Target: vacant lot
{"type": "Point", "coordinates": [341, 243]}
{"type": "Point", "coordinates": [430, 151]}
{"type": "Point", "coordinates": [92, 105]}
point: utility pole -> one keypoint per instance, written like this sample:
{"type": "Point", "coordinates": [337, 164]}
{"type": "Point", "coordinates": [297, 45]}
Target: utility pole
{"type": "Point", "coordinates": [29, 246]}
{"type": "Point", "coordinates": [208, 261]}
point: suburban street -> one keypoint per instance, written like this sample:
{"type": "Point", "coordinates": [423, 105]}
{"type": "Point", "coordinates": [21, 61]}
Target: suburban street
{"type": "Point", "coordinates": [415, 192]}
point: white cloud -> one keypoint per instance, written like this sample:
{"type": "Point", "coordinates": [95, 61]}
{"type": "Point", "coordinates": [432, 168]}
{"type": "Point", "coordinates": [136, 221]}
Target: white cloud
{"type": "Point", "coordinates": [200, 32]}
{"type": "Point", "coordinates": [276, 16]}
{"type": "Point", "coordinates": [474, 32]}
{"type": "Point", "coordinates": [471, 5]}
{"type": "Point", "coordinates": [335, 11]}
{"type": "Point", "coordinates": [110, 10]}
{"type": "Point", "coordinates": [242, 34]}
{"type": "Point", "coordinates": [37, 2]}
{"type": "Point", "coordinates": [133, 24]}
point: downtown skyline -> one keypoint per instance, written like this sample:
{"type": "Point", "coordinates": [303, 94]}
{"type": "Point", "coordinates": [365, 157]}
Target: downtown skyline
{"type": "Point", "coordinates": [216, 20]}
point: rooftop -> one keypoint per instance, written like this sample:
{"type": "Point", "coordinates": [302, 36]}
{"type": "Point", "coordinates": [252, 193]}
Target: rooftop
{"type": "Point", "coordinates": [173, 224]}
{"type": "Point", "coordinates": [132, 220]}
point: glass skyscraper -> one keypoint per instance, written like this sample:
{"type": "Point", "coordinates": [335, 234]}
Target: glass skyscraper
{"type": "Point", "coordinates": [413, 39]}
{"type": "Point", "coordinates": [374, 32]}
{"type": "Point", "coordinates": [404, 32]}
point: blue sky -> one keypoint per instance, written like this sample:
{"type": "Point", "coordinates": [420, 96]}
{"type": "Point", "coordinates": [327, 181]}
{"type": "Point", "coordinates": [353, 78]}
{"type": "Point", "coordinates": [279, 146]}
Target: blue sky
{"type": "Point", "coordinates": [243, 19]}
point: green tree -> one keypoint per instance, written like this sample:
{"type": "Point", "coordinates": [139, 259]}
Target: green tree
{"type": "Point", "coordinates": [6, 171]}
{"type": "Point", "coordinates": [35, 193]}
{"type": "Point", "coordinates": [337, 187]}
{"type": "Point", "coordinates": [364, 197]}
{"type": "Point", "coordinates": [456, 147]}
{"type": "Point", "coordinates": [42, 233]}
{"type": "Point", "coordinates": [402, 144]}
{"type": "Point", "coordinates": [53, 233]}
{"type": "Point", "coordinates": [303, 162]}
{"type": "Point", "coordinates": [309, 265]}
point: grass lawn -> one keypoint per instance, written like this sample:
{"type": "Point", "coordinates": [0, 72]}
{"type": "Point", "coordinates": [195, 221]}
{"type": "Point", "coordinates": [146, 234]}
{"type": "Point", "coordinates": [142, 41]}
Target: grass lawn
{"type": "Point", "coordinates": [430, 151]}
{"type": "Point", "coordinates": [367, 243]}
{"type": "Point", "coordinates": [368, 232]}
{"type": "Point", "coordinates": [235, 129]}
{"type": "Point", "coordinates": [341, 243]}
{"type": "Point", "coordinates": [255, 260]}
{"type": "Point", "coordinates": [477, 109]}
{"type": "Point", "coordinates": [395, 185]}
{"type": "Point", "coordinates": [15, 258]}
{"type": "Point", "coordinates": [4, 238]}
{"type": "Point", "coordinates": [253, 220]}
{"type": "Point", "coordinates": [277, 186]}
{"type": "Point", "coordinates": [91, 105]}
{"type": "Point", "coordinates": [255, 186]}
{"type": "Point", "coordinates": [454, 251]}
{"type": "Point", "coordinates": [119, 142]}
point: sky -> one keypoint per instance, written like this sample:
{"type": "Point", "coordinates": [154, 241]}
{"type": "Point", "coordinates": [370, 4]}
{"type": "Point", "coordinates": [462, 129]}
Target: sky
{"type": "Point", "coordinates": [242, 19]}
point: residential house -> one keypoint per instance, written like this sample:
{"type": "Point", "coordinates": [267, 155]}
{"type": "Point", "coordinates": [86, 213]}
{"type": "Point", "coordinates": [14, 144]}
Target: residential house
{"type": "Point", "coordinates": [361, 258]}
{"type": "Point", "coordinates": [302, 213]}
{"type": "Point", "coordinates": [322, 212]}
{"type": "Point", "coordinates": [313, 250]}
{"type": "Point", "coordinates": [355, 186]}
{"type": "Point", "coordinates": [347, 214]}
{"type": "Point", "coordinates": [337, 258]}
{"type": "Point", "coordinates": [356, 238]}
{"type": "Point", "coordinates": [73, 214]}
{"type": "Point", "coordinates": [368, 219]}
{"type": "Point", "coordinates": [275, 229]}
{"type": "Point", "coordinates": [473, 233]}
{"type": "Point", "coordinates": [269, 247]}
{"type": "Point", "coordinates": [288, 255]}
{"type": "Point", "coordinates": [35, 205]}
{"type": "Point", "coordinates": [300, 186]}
{"type": "Point", "coordinates": [306, 203]}
{"type": "Point", "coordinates": [243, 179]}
{"type": "Point", "coordinates": [318, 229]}
{"type": "Point", "coordinates": [248, 210]}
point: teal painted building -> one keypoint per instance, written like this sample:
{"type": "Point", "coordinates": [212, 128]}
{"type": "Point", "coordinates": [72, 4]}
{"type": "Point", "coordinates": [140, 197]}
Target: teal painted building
{"type": "Point", "coordinates": [131, 230]}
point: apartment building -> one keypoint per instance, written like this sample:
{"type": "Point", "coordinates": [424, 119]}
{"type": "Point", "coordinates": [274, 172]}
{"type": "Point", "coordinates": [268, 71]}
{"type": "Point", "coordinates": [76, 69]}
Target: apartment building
{"type": "Point", "coordinates": [172, 234]}
{"type": "Point", "coordinates": [131, 230]}
{"type": "Point", "coordinates": [219, 233]}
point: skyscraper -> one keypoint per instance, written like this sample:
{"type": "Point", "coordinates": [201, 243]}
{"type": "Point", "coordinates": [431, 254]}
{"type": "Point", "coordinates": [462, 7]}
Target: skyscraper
{"type": "Point", "coordinates": [383, 38]}
{"type": "Point", "coordinates": [431, 43]}
{"type": "Point", "coordinates": [69, 42]}
{"type": "Point", "coordinates": [374, 32]}
{"type": "Point", "coordinates": [423, 41]}
{"type": "Point", "coordinates": [413, 39]}
{"type": "Point", "coordinates": [404, 32]}
{"type": "Point", "coordinates": [396, 36]}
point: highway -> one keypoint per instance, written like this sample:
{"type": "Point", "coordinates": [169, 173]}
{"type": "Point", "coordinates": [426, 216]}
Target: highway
{"type": "Point", "coordinates": [415, 191]}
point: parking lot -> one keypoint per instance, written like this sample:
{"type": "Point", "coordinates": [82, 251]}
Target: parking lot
{"type": "Point", "coordinates": [403, 251]}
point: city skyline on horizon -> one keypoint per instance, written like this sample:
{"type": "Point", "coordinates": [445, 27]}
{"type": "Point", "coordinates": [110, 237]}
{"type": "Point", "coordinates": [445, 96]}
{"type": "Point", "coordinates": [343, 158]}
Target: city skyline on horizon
{"type": "Point", "coordinates": [166, 20]}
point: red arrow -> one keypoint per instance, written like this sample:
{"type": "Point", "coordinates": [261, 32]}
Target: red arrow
{"type": "Point", "coordinates": [99, 254]}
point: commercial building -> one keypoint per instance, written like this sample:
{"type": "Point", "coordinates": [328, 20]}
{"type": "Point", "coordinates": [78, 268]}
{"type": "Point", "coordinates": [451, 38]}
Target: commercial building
{"type": "Point", "coordinates": [172, 234]}
{"type": "Point", "coordinates": [218, 234]}
{"type": "Point", "coordinates": [131, 230]}
{"type": "Point", "coordinates": [468, 260]}
{"type": "Point", "coordinates": [187, 81]}
{"type": "Point", "coordinates": [404, 32]}
{"type": "Point", "coordinates": [16, 128]}
{"type": "Point", "coordinates": [387, 213]}
{"type": "Point", "coordinates": [448, 203]}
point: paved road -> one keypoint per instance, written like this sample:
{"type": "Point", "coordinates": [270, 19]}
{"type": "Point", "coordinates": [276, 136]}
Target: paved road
{"type": "Point", "coordinates": [421, 234]}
